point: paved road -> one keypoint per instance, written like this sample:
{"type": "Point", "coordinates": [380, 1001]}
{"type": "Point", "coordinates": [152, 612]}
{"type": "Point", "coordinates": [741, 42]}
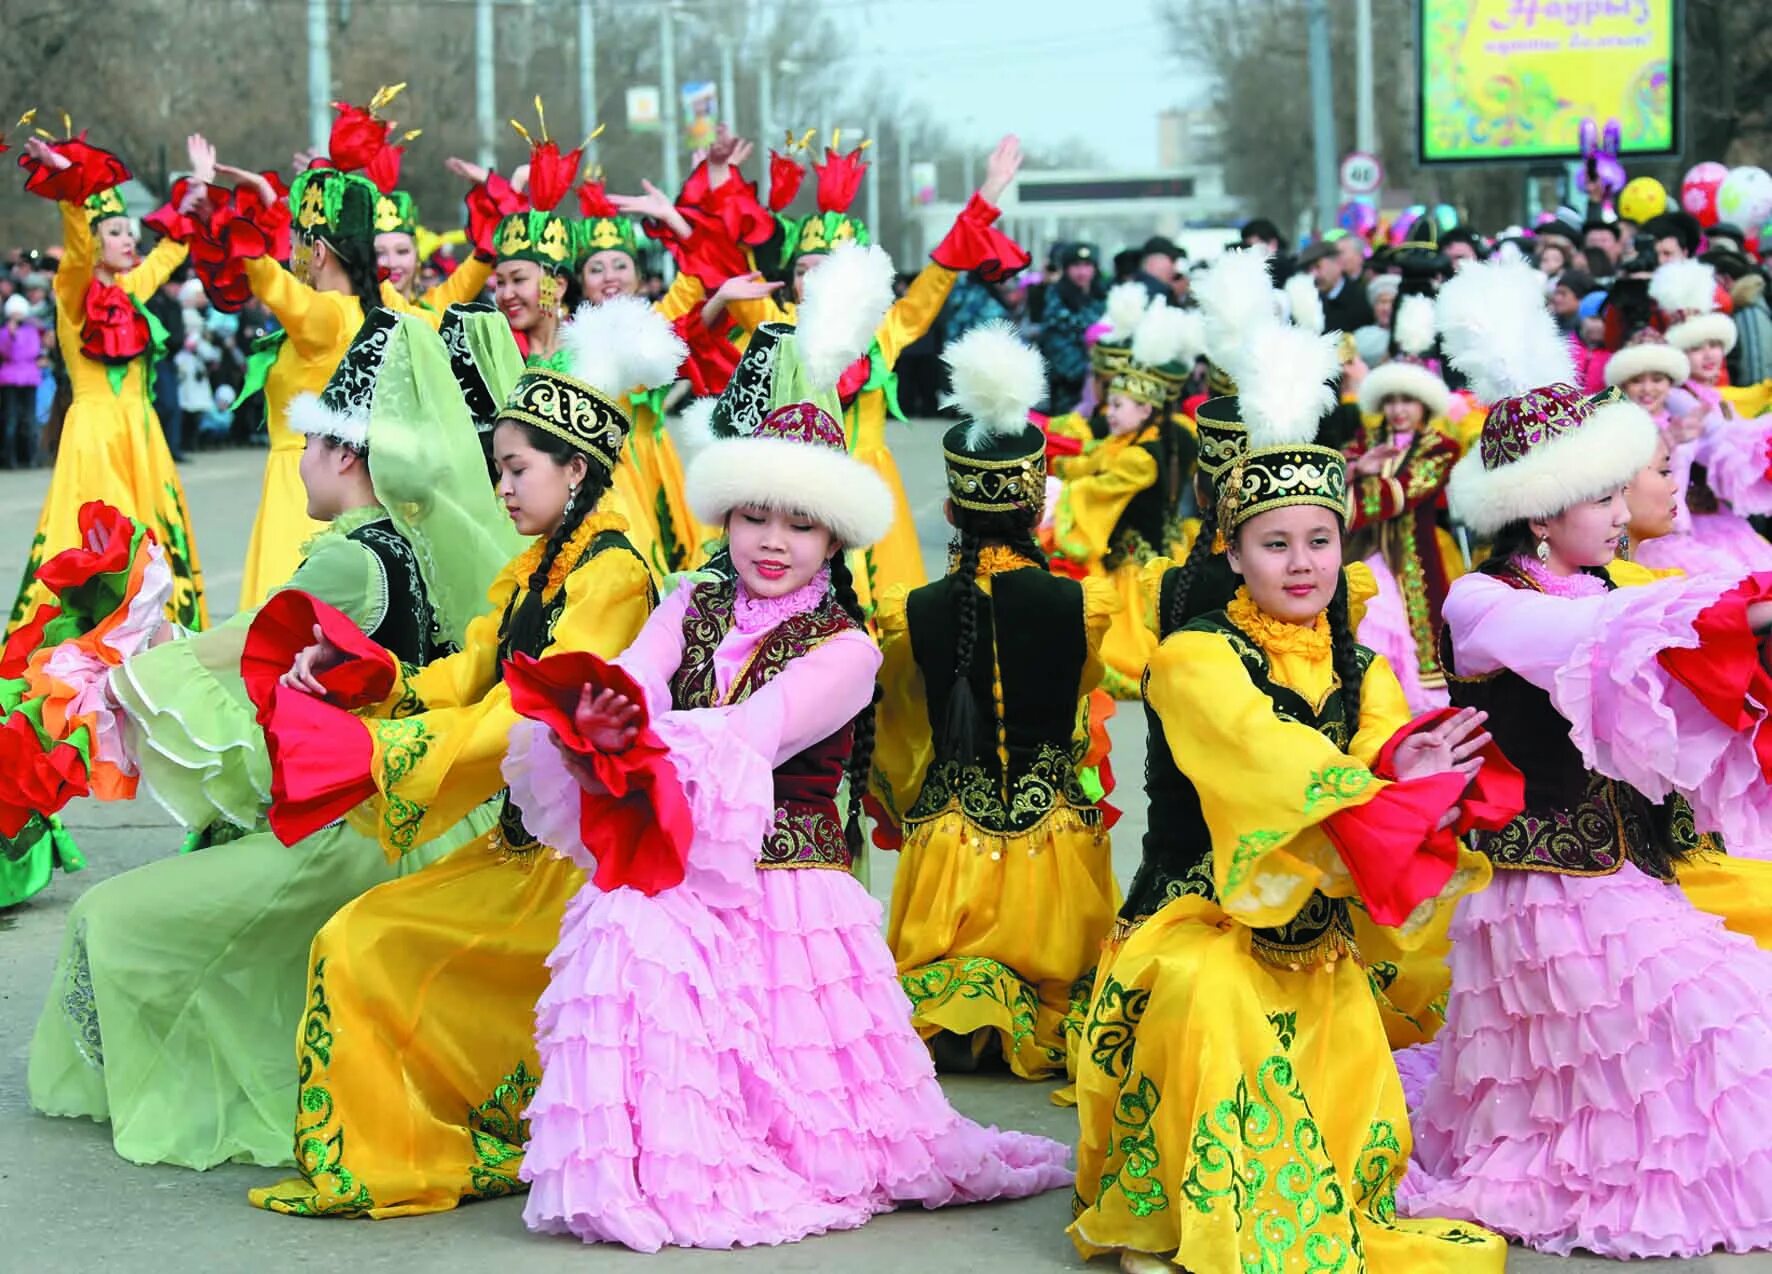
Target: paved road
{"type": "Point", "coordinates": [67, 1202]}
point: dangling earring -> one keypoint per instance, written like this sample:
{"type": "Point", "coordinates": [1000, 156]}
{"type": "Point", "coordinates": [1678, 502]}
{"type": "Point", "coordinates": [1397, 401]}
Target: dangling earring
{"type": "Point", "coordinates": [548, 293]}
{"type": "Point", "coordinates": [1544, 551]}
{"type": "Point", "coordinates": [1624, 547]}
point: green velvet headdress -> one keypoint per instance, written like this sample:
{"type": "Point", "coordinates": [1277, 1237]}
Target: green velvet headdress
{"type": "Point", "coordinates": [105, 204]}
{"type": "Point", "coordinates": [327, 202]}
{"type": "Point", "coordinates": [395, 213]}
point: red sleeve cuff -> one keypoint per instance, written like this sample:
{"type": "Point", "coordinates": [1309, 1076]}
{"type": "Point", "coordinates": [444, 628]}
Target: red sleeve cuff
{"type": "Point", "coordinates": [638, 825]}
{"type": "Point", "coordinates": [1391, 847]}
{"type": "Point", "coordinates": [489, 203]}
{"type": "Point", "coordinates": [90, 171]}
{"type": "Point", "coordinates": [712, 358]}
{"type": "Point", "coordinates": [887, 833]}
{"type": "Point", "coordinates": [974, 243]}
{"type": "Point", "coordinates": [241, 228]}
{"type": "Point", "coordinates": [169, 221]}
{"type": "Point", "coordinates": [1723, 671]}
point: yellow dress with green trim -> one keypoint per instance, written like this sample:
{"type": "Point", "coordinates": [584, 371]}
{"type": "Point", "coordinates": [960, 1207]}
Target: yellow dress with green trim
{"type": "Point", "coordinates": [680, 541]}
{"type": "Point", "coordinates": [320, 327]}
{"type": "Point", "coordinates": [991, 928]}
{"type": "Point", "coordinates": [417, 1054]}
{"type": "Point", "coordinates": [1748, 400]}
{"type": "Point", "coordinates": [1238, 1107]}
{"type": "Point", "coordinates": [898, 558]}
{"type": "Point", "coordinates": [112, 448]}
{"type": "Point", "coordinates": [1089, 532]}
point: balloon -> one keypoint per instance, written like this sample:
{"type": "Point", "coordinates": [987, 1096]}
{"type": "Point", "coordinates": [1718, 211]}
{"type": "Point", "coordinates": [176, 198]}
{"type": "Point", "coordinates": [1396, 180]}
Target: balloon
{"type": "Point", "coordinates": [1643, 197]}
{"type": "Point", "coordinates": [1445, 216]}
{"type": "Point", "coordinates": [1698, 192]}
{"type": "Point", "coordinates": [1405, 222]}
{"type": "Point", "coordinates": [1745, 197]}
{"type": "Point", "coordinates": [1359, 218]}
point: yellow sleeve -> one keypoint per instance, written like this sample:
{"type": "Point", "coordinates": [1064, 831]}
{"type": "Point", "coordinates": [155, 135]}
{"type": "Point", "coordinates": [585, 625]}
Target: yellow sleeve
{"type": "Point", "coordinates": [460, 679]}
{"type": "Point", "coordinates": [1150, 590]}
{"type": "Point", "coordinates": [1362, 587]}
{"type": "Point", "coordinates": [392, 300]}
{"type": "Point", "coordinates": [915, 312]}
{"type": "Point", "coordinates": [1071, 425]}
{"type": "Point", "coordinates": [466, 284]}
{"type": "Point", "coordinates": [1634, 574]}
{"type": "Point", "coordinates": [1101, 602]}
{"type": "Point", "coordinates": [684, 294]}
{"type": "Point", "coordinates": [314, 320]}
{"type": "Point", "coordinates": [75, 271]}
{"type": "Point", "coordinates": [1266, 784]}
{"type": "Point", "coordinates": [433, 768]}
{"type": "Point", "coordinates": [150, 276]}
{"type": "Point", "coordinates": [903, 743]}
{"type": "Point", "coordinates": [751, 315]}
{"type": "Point", "coordinates": [1090, 504]}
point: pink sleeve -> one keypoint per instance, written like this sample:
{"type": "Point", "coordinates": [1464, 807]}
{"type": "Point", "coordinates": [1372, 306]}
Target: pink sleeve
{"type": "Point", "coordinates": [1599, 659]}
{"type": "Point", "coordinates": [1737, 458]}
{"type": "Point", "coordinates": [654, 655]}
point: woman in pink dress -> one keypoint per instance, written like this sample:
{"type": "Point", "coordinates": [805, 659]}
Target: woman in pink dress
{"type": "Point", "coordinates": [1604, 1077]}
{"type": "Point", "coordinates": [727, 1056]}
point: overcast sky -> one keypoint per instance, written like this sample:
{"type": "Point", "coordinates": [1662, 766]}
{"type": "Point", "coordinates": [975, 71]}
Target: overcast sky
{"type": "Point", "coordinates": [1047, 69]}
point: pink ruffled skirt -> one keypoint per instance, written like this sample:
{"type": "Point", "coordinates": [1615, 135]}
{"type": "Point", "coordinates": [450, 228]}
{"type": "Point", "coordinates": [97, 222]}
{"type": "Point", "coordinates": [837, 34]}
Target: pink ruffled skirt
{"type": "Point", "coordinates": [1604, 1077]}
{"type": "Point", "coordinates": [716, 1076]}
{"type": "Point", "coordinates": [1385, 630]}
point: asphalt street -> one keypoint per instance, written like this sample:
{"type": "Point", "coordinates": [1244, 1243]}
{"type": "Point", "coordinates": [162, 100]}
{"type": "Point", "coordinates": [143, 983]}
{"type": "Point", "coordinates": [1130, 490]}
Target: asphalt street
{"type": "Point", "coordinates": [67, 1202]}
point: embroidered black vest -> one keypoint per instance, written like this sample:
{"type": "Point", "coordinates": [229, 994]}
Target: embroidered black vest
{"type": "Point", "coordinates": [518, 839]}
{"type": "Point", "coordinates": [408, 626]}
{"type": "Point", "coordinates": [1140, 530]}
{"type": "Point", "coordinates": [1031, 634]}
{"type": "Point", "coordinates": [1576, 822]}
{"type": "Point", "coordinates": [1177, 853]}
{"type": "Point", "coordinates": [808, 829]}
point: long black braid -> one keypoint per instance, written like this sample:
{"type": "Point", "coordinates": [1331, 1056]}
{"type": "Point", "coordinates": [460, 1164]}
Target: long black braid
{"type": "Point", "coordinates": [1175, 615]}
{"type": "Point", "coordinates": [1343, 656]}
{"type": "Point", "coordinates": [528, 631]}
{"type": "Point", "coordinates": [861, 750]}
{"type": "Point", "coordinates": [1015, 530]}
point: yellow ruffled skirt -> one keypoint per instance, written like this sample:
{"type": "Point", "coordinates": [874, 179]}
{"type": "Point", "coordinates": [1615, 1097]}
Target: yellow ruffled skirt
{"type": "Point", "coordinates": [112, 450]}
{"type": "Point", "coordinates": [1236, 1115]}
{"type": "Point", "coordinates": [1127, 647]}
{"type": "Point", "coordinates": [281, 528]}
{"type": "Point", "coordinates": [991, 932]}
{"type": "Point", "coordinates": [417, 1049]}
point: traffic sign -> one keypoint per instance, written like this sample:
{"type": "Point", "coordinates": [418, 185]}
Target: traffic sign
{"type": "Point", "coordinates": [1361, 173]}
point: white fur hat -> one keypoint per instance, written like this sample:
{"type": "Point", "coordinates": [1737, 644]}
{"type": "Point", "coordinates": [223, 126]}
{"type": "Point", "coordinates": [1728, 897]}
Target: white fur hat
{"type": "Point", "coordinates": [1648, 352]}
{"type": "Point", "coordinates": [1545, 445]}
{"type": "Point", "coordinates": [1687, 292]}
{"type": "Point", "coordinates": [1410, 380]}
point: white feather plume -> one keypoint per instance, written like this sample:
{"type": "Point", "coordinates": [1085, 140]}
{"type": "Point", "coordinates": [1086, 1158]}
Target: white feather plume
{"type": "Point", "coordinates": [1684, 287]}
{"type": "Point", "coordinates": [1304, 302]}
{"type": "Point", "coordinates": [695, 423]}
{"type": "Point", "coordinates": [1126, 304]}
{"type": "Point", "coordinates": [846, 298]}
{"type": "Point", "coordinates": [997, 378]}
{"type": "Point", "coordinates": [1235, 294]}
{"type": "Point", "coordinates": [622, 345]}
{"type": "Point", "coordinates": [1414, 326]}
{"type": "Point", "coordinates": [1284, 391]}
{"type": "Point", "coordinates": [1166, 335]}
{"type": "Point", "coordinates": [1496, 329]}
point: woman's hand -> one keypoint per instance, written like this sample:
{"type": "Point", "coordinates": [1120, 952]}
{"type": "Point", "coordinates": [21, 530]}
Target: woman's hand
{"type": "Point", "coordinates": [742, 287]}
{"type": "Point", "coordinates": [201, 152]}
{"type": "Point", "coordinates": [304, 673]}
{"type": "Point", "coordinates": [469, 172]}
{"type": "Point", "coordinates": [1371, 462]}
{"type": "Point", "coordinates": [1000, 169]}
{"type": "Point", "coordinates": [1686, 427]}
{"type": "Point", "coordinates": [607, 719]}
{"type": "Point", "coordinates": [727, 153]}
{"type": "Point", "coordinates": [1453, 746]}
{"type": "Point", "coordinates": [45, 154]}
{"type": "Point", "coordinates": [654, 204]}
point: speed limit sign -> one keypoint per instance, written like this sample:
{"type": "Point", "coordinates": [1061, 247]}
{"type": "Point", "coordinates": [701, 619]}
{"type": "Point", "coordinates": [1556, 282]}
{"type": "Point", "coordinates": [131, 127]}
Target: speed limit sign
{"type": "Point", "coordinates": [1361, 173]}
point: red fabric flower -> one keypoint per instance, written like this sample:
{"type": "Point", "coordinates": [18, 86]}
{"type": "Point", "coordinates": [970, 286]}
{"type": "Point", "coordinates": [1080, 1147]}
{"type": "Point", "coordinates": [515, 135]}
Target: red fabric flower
{"type": "Point", "coordinates": [639, 826]}
{"type": "Point", "coordinates": [593, 200]}
{"type": "Point", "coordinates": [241, 227]}
{"type": "Point", "coordinates": [712, 357]}
{"type": "Point", "coordinates": [169, 221]}
{"type": "Point", "coordinates": [90, 170]}
{"type": "Point", "coordinates": [974, 243]}
{"type": "Point", "coordinates": [384, 168]}
{"type": "Point", "coordinates": [25, 640]}
{"type": "Point", "coordinates": [34, 780]}
{"type": "Point", "coordinates": [112, 330]}
{"type": "Point", "coordinates": [106, 540]}
{"type": "Point", "coordinates": [357, 139]}
{"type": "Point", "coordinates": [854, 377]}
{"type": "Point", "coordinates": [839, 178]}
{"type": "Point", "coordinates": [489, 203]}
{"type": "Point", "coordinates": [551, 174]}
{"type": "Point", "coordinates": [785, 176]}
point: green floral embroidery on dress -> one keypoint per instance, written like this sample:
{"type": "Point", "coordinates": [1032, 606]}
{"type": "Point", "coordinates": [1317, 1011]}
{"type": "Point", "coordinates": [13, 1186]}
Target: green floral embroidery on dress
{"type": "Point", "coordinates": [1135, 1150]}
{"type": "Point", "coordinates": [499, 1132]}
{"type": "Point", "coordinates": [1112, 1032]}
{"type": "Point", "coordinates": [1285, 1028]}
{"type": "Point", "coordinates": [1335, 783]}
{"type": "Point", "coordinates": [404, 744]}
{"type": "Point", "coordinates": [408, 704]}
{"type": "Point", "coordinates": [1250, 846]}
{"type": "Point", "coordinates": [319, 1146]}
{"type": "Point", "coordinates": [976, 978]}
{"type": "Point", "coordinates": [1377, 1171]}
{"type": "Point", "coordinates": [1246, 1149]}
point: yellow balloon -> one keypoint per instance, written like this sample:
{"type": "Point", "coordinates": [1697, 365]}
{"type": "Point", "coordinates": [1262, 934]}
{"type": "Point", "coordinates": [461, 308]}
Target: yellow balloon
{"type": "Point", "coordinates": [1642, 198]}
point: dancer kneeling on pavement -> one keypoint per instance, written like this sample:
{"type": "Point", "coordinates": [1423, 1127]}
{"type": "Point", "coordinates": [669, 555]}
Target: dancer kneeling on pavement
{"type": "Point", "coordinates": [727, 1056]}
{"type": "Point", "coordinates": [417, 1058]}
{"type": "Point", "coordinates": [181, 983]}
{"type": "Point", "coordinates": [1237, 1100]}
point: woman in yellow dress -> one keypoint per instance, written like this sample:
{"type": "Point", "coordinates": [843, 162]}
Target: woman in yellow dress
{"type": "Point", "coordinates": [1005, 886]}
{"type": "Point", "coordinates": [869, 388]}
{"type": "Point", "coordinates": [319, 303]}
{"type": "Point", "coordinates": [417, 1056]}
{"type": "Point", "coordinates": [111, 446]}
{"type": "Point", "coordinates": [1237, 1101]}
